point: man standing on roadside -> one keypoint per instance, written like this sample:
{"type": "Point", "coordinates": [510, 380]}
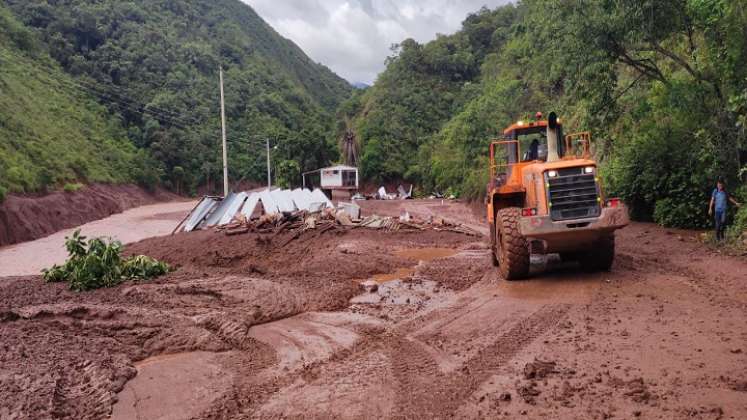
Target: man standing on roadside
{"type": "Point", "coordinates": [719, 202]}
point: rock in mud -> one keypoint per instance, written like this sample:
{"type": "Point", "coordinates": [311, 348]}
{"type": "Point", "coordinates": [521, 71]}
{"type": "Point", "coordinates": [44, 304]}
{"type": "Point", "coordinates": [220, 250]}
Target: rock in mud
{"type": "Point", "coordinates": [538, 369]}
{"type": "Point", "coordinates": [528, 392]}
{"type": "Point", "coordinates": [370, 286]}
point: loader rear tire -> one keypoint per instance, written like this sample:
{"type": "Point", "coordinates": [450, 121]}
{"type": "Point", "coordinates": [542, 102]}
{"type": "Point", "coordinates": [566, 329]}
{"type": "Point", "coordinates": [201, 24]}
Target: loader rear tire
{"type": "Point", "coordinates": [511, 248]}
{"type": "Point", "coordinates": [600, 257]}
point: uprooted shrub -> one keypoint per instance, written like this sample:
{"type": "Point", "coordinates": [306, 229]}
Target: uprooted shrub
{"type": "Point", "coordinates": [98, 263]}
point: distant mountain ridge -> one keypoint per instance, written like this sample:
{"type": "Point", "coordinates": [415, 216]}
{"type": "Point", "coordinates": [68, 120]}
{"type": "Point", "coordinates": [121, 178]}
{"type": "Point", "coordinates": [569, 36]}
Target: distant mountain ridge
{"type": "Point", "coordinates": [154, 65]}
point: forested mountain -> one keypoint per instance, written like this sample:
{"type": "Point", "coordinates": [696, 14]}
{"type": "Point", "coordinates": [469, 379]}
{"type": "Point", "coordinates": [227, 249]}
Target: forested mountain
{"type": "Point", "coordinates": [50, 132]}
{"type": "Point", "coordinates": [661, 84]}
{"type": "Point", "coordinates": [154, 65]}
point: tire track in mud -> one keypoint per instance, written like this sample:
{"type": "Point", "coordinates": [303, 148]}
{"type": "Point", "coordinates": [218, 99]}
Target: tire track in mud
{"type": "Point", "coordinates": [423, 391]}
{"type": "Point", "coordinates": [698, 279]}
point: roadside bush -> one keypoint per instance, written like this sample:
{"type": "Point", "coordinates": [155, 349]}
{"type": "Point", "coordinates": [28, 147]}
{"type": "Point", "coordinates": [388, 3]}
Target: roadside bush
{"type": "Point", "coordinates": [97, 263]}
{"type": "Point", "coordinates": [685, 212]}
{"type": "Point", "coordinates": [72, 187]}
{"type": "Point", "coordinates": [736, 231]}
{"type": "Point", "coordinates": [3, 193]}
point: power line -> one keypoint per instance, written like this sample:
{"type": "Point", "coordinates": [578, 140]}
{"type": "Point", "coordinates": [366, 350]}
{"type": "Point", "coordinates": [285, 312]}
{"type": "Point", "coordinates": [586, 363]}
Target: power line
{"type": "Point", "coordinates": [90, 86]}
{"type": "Point", "coordinates": [179, 121]}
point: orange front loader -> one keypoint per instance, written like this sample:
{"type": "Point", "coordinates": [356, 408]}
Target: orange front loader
{"type": "Point", "coordinates": [544, 196]}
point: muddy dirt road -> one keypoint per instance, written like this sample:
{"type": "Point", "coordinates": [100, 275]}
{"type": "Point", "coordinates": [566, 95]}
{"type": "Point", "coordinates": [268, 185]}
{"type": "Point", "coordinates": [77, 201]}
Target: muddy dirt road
{"type": "Point", "coordinates": [254, 326]}
{"type": "Point", "coordinates": [132, 225]}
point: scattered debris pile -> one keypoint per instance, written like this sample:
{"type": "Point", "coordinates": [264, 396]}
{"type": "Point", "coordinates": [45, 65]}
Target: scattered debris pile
{"type": "Point", "coordinates": [339, 218]}
{"type": "Point", "coordinates": [217, 211]}
{"type": "Point", "coordinates": [276, 211]}
{"type": "Point", "coordinates": [401, 194]}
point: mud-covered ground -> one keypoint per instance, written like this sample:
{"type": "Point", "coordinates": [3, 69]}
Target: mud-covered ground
{"type": "Point", "coordinates": [261, 326]}
{"type": "Point", "coordinates": [28, 217]}
{"type": "Point", "coordinates": [29, 258]}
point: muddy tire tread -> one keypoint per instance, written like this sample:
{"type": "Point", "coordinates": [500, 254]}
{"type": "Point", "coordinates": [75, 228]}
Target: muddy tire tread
{"type": "Point", "coordinates": [514, 263]}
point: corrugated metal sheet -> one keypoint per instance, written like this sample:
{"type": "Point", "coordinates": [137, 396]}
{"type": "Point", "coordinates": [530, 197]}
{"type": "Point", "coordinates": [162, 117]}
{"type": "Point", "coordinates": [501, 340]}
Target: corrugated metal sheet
{"type": "Point", "coordinates": [250, 205]}
{"type": "Point", "coordinates": [300, 199]}
{"type": "Point", "coordinates": [218, 213]}
{"type": "Point", "coordinates": [268, 202]}
{"type": "Point", "coordinates": [309, 195]}
{"type": "Point", "coordinates": [233, 208]}
{"type": "Point", "coordinates": [319, 197]}
{"type": "Point", "coordinates": [211, 211]}
{"type": "Point", "coordinates": [284, 199]}
{"type": "Point", "coordinates": [199, 213]}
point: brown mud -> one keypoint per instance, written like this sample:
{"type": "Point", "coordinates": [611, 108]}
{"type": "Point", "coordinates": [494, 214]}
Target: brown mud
{"type": "Point", "coordinates": [247, 328]}
{"type": "Point", "coordinates": [27, 217]}
{"type": "Point", "coordinates": [30, 258]}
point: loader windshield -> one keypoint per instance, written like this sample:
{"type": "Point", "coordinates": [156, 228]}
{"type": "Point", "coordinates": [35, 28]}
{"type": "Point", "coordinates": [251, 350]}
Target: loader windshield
{"type": "Point", "coordinates": [533, 145]}
{"type": "Point", "coordinates": [532, 142]}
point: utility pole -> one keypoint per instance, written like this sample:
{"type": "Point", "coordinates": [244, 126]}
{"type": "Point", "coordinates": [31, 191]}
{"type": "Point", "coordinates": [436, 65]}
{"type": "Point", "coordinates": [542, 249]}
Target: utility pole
{"type": "Point", "coordinates": [269, 180]}
{"type": "Point", "coordinates": [223, 130]}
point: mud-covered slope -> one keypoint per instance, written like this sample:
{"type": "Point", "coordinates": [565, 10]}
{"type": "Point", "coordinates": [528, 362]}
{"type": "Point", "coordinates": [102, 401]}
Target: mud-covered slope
{"type": "Point", "coordinates": [25, 218]}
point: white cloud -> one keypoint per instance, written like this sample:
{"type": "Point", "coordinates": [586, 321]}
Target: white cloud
{"type": "Point", "coordinates": [353, 37]}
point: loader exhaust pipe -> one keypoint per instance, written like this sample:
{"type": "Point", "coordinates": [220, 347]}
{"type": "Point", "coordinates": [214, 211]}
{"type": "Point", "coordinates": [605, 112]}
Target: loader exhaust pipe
{"type": "Point", "coordinates": [552, 138]}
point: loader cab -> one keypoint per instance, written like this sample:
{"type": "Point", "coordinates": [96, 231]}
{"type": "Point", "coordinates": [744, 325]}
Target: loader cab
{"type": "Point", "coordinates": [530, 142]}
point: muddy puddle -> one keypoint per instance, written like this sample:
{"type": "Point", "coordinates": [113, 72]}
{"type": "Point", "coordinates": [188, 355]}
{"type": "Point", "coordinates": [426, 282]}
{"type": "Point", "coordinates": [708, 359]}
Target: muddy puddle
{"type": "Point", "coordinates": [420, 254]}
{"type": "Point", "coordinates": [172, 386]}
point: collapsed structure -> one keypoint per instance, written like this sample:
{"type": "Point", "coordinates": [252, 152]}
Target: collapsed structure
{"type": "Point", "coordinates": [217, 211]}
{"type": "Point", "coordinates": [298, 210]}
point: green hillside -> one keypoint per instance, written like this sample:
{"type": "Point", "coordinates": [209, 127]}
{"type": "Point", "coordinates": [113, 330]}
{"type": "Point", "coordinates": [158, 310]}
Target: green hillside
{"type": "Point", "coordinates": [154, 65]}
{"type": "Point", "coordinates": [50, 133]}
{"type": "Point", "coordinates": [662, 85]}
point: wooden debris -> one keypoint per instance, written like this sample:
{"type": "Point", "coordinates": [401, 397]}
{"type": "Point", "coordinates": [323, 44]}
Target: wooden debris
{"type": "Point", "coordinates": [237, 231]}
{"type": "Point", "coordinates": [300, 222]}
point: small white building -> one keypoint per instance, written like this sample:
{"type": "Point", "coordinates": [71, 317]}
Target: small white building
{"type": "Point", "coordinates": [340, 177]}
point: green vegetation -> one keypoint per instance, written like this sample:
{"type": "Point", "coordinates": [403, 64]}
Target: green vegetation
{"type": "Point", "coordinates": [72, 187]}
{"type": "Point", "coordinates": [97, 264]}
{"type": "Point", "coordinates": [662, 86]}
{"type": "Point", "coordinates": [50, 133]}
{"type": "Point", "coordinates": [152, 68]}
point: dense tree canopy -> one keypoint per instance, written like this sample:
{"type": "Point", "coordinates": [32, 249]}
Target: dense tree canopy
{"type": "Point", "coordinates": [660, 84]}
{"type": "Point", "coordinates": [155, 64]}
{"type": "Point", "coordinates": [50, 133]}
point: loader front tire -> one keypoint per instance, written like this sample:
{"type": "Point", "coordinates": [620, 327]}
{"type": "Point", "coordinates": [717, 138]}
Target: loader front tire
{"type": "Point", "coordinates": [511, 248]}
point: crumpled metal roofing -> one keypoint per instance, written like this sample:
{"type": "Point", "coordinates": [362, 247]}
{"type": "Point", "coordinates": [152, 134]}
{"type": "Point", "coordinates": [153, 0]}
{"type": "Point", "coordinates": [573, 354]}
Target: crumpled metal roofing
{"type": "Point", "coordinates": [284, 200]}
{"type": "Point", "coordinates": [317, 196]}
{"type": "Point", "coordinates": [250, 205]}
{"type": "Point", "coordinates": [215, 212]}
{"type": "Point", "coordinates": [232, 208]}
{"type": "Point", "coordinates": [199, 213]}
{"type": "Point", "coordinates": [301, 200]}
{"type": "Point", "coordinates": [268, 202]}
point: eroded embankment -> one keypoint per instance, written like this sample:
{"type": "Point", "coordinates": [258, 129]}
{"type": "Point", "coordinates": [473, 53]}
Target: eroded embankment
{"type": "Point", "coordinates": [68, 354]}
{"type": "Point", "coordinates": [25, 218]}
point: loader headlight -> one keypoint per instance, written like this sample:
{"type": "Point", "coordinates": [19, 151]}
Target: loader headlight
{"type": "Point", "coordinates": [552, 174]}
{"type": "Point", "coordinates": [589, 170]}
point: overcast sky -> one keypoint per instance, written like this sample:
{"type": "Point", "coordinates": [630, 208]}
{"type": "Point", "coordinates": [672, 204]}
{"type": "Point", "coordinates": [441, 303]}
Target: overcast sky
{"type": "Point", "coordinates": [353, 37]}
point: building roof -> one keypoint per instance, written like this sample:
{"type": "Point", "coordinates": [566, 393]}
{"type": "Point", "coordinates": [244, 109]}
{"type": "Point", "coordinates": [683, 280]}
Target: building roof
{"type": "Point", "coordinates": [340, 168]}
